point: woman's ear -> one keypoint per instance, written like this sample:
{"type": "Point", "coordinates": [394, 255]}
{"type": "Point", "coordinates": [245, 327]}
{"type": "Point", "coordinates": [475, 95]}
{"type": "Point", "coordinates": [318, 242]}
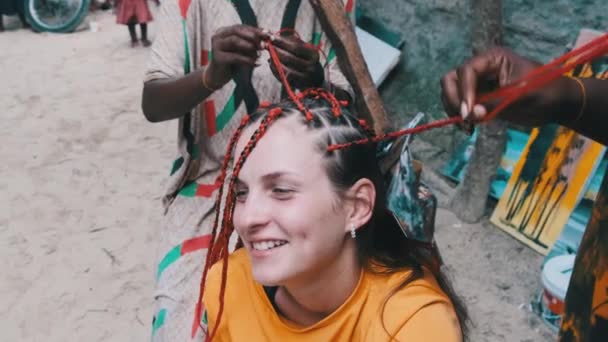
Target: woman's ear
{"type": "Point", "coordinates": [361, 200]}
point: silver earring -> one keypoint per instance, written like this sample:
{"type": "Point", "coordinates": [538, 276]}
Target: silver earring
{"type": "Point", "coordinates": [353, 231]}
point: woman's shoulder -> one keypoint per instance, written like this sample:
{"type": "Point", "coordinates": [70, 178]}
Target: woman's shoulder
{"type": "Point", "coordinates": [408, 284]}
{"type": "Point", "coordinates": [408, 310]}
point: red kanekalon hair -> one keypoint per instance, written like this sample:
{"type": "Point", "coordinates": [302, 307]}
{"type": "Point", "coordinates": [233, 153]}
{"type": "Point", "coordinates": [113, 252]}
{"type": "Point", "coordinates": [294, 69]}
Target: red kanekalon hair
{"type": "Point", "coordinates": [218, 249]}
{"type": "Point", "coordinates": [220, 180]}
{"type": "Point", "coordinates": [508, 94]}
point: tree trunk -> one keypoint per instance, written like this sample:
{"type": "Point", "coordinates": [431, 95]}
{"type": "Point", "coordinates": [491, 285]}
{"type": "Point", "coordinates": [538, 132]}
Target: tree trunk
{"type": "Point", "coordinates": [341, 34]}
{"type": "Point", "coordinates": [469, 202]}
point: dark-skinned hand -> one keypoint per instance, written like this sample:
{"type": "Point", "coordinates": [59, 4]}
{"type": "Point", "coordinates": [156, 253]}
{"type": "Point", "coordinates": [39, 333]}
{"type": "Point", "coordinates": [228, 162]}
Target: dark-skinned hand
{"type": "Point", "coordinates": [234, 47]}
{"type": "Point", "coordinates": [496, 68]}
{"type": "Point", "coordinates": [300, 61]}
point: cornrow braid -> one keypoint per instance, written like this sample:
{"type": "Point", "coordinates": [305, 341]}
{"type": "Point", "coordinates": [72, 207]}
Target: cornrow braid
{"type": "Point", "coordinates": [316, 93]}
{"type": "Point", "coordinates": [283, 76]}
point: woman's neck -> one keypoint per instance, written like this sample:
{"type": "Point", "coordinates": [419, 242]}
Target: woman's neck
{"type": "Point", "coordinates": [311, 300]}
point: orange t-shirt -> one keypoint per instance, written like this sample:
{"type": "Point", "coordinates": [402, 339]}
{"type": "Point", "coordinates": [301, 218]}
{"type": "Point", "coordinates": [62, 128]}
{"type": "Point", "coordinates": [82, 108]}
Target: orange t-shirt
{"type": "Point", "coordinates": [418, 312]}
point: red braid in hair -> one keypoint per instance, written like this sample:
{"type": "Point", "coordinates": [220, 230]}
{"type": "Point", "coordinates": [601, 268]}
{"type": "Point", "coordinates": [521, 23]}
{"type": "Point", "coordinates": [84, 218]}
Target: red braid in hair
{"type": "Point", "coordinates": [218, 202]}
{"type": "Point", "coordinates": [218, 250]}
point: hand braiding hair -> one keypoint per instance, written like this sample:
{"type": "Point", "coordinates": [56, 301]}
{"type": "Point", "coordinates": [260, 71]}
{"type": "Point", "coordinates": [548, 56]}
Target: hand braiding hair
{"type": "Point", "coordinates": [508, 94]}
{"type": "Point", "coordinates": [218, 249]}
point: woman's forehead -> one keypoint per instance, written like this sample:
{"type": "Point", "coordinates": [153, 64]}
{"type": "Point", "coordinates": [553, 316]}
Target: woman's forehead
{"type": "Point", "coordinates": [283, 130]}
{"type": "Point", "coordinates": [287, 147]}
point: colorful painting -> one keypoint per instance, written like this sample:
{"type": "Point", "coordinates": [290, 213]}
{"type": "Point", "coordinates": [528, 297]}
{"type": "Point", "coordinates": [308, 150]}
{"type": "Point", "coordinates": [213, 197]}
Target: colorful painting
{"type": "Point", "coordinates": [573, 231]}
{"type": "Point", "coordinates": [546, 185]}
{"type": "Point", "coordinates": [551, 177]}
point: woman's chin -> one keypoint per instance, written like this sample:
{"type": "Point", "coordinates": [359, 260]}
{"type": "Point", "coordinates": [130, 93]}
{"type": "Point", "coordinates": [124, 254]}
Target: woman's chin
{"type": "Point", "coordinates": [267, 277]}
{"type": "Point", "coordinates": [268, 274]}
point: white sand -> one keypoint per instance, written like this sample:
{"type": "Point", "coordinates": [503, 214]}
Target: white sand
{"type": "Point", "coordinates": [83, 170]}
{"type": "Point", "coordinates": [81, 178]}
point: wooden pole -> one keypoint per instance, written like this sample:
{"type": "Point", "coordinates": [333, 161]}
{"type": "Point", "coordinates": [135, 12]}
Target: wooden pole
{"type": "Point", "coordinates": [341, 34]}
{"type": "Point", "coordinates": [469, 202]}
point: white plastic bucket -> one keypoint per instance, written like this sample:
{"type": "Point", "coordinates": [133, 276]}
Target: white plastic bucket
{"type": "Point", "coordinates": [555, 278]}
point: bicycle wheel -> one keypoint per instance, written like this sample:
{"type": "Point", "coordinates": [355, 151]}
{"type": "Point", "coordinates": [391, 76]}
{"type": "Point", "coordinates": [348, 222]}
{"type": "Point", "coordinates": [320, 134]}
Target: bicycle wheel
{"type": "Point", "coordinates": [56, 15]}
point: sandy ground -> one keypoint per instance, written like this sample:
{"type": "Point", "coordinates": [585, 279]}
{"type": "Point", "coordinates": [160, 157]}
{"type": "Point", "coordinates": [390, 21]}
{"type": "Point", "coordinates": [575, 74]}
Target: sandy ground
{"type": "Point", "coordinates": [81, 177]}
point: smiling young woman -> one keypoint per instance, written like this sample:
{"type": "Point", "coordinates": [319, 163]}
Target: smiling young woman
{"type": "Point", "coordinates": [323, 259]}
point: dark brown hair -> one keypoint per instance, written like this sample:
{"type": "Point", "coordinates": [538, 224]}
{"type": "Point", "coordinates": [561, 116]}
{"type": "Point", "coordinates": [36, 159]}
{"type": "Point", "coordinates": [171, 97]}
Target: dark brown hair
{"type": "Point", "coordinates": [381, 245]}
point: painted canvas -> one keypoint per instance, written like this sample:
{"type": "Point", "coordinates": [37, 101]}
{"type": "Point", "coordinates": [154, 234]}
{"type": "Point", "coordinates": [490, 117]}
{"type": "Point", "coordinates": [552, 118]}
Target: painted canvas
{"type": "Point", "coordinates": [571, 235]}
{"type": "Point", "coordinates": [546, 185]}
{"type": "Point", "coordinates": [552, 175]}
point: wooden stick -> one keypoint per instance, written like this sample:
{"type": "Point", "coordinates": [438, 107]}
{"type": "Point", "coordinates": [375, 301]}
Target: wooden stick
{"type": "Point", "coordinates": [341, 34]}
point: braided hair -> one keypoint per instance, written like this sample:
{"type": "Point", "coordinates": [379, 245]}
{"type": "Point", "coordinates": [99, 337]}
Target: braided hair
{"type": "Point", "coordinates": [380, 244]}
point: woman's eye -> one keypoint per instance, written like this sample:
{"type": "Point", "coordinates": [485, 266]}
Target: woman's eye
{"type": "Point", "coordinates": [282, 193]}
{"type": "Point", "coordinates": [240, 195]}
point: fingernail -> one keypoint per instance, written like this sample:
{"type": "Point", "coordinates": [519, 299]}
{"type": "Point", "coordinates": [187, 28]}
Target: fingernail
{"type": "Point", "coordinates": [479, 112]}
{"type": "Point", "coordinates": [464, 110]}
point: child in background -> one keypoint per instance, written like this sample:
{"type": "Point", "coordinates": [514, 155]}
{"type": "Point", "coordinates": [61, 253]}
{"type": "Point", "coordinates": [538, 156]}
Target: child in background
{"type": "Point", "coordinates": [131, 13]}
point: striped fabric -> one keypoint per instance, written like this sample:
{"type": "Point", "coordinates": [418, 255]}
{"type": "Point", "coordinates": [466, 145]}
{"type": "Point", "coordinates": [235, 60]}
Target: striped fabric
{"type": "Point", "coordinates": [182, 45]}
{"type": "Point", "coordinates": [185, 31]}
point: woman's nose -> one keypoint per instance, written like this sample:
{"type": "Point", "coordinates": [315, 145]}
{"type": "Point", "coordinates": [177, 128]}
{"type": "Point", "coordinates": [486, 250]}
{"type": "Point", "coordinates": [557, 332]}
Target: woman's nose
{"type": "Point", "coordinates": [254, 213]}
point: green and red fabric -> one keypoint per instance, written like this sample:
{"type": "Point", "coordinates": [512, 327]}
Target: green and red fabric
{"type": "Point", "coordinates": [182, 249]}
{"type": "Point", "coordinates": [193, 189]}
{"type": "Point", "coordinates": [159, 320]}
{"type": "Point", "coordinates": [216, 123]}
{"type": "Point", "coordinates": [206, 56]}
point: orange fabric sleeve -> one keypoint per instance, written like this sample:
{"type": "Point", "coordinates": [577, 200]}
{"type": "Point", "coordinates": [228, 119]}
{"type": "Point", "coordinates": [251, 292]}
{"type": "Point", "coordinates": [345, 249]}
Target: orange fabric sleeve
{"type": "Point", "coordinates": [434, 322]}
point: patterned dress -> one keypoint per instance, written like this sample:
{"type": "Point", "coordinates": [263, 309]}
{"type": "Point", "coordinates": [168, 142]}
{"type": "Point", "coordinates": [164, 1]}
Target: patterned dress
{"type": "Point", "coordinates": [133, 12]}
{"type": "Point", "coordinates": [182, 45]}
{"type": "Point", "coordinates": [586, 315]}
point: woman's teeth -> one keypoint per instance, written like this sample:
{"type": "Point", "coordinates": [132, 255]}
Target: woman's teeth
{"type": "Point", "coordinates": [265, 245]}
